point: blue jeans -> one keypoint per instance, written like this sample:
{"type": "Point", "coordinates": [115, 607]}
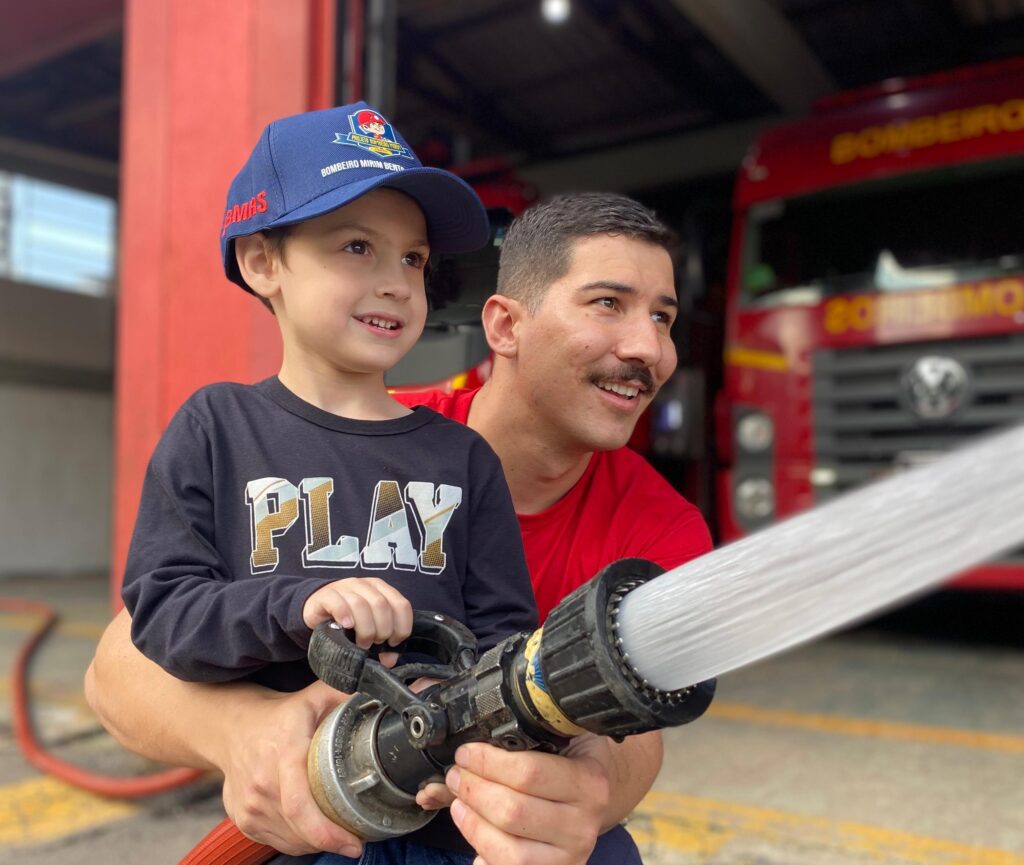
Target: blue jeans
{"type": "Point", "coordinates": [615, 847]}
{"type": "Point", "coordinates": [397, 851]}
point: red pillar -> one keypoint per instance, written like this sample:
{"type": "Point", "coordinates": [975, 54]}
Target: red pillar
{"type": "Point", "coordinates": [201, 80]}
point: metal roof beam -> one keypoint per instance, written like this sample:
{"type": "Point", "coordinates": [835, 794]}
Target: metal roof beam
{"type": "Point", "coordinates": [756, 37]}
{"type": "Point", "coordinates": [649, 163]}
{"type": "Point", "coordinates": [471, 104]}
{"type": "Point", "coordinates": [670, 61]}
{"type": "Point", "coordinates": [59, 166]}
{"type": "Point", "coordinates": [37, 32]}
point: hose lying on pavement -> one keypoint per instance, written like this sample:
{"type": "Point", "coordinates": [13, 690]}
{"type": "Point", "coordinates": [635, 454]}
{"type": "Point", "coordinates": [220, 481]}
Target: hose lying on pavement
{"type": "Point", "coordinates": [111, 786]}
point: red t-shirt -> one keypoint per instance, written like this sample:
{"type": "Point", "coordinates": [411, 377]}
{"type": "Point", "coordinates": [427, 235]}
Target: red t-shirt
{"type": "Point", "coordinates": [620, 508]}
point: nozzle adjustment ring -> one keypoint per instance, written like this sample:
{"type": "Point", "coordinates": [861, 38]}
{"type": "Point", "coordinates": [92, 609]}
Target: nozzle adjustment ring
{"type": "Point", "coordinates": [587, 671]}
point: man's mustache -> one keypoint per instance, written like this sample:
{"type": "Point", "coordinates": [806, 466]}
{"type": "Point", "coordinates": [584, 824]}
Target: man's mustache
{"type": "Point", "coordinates": [627, 372]}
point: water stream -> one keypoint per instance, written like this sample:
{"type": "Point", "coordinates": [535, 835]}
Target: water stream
{"type": "Point", "coordinates": [828, 567]}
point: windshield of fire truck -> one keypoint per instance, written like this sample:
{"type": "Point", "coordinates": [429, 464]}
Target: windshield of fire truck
{"type": "Point", "coordinates": [919, 231]}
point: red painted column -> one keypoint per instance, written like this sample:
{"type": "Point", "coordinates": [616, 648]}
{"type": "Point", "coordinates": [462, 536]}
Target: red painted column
{"type": "Point", "coordinates": [201, 80]}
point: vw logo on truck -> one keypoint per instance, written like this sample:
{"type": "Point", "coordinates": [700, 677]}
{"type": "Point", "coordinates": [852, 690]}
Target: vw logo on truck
{"type": "Point", "coordinates": [934, 386]}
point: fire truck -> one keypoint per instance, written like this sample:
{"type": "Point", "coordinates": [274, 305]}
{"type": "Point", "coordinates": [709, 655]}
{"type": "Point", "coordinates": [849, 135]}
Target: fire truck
{"type": "Point", "coordinates": [875, 298]}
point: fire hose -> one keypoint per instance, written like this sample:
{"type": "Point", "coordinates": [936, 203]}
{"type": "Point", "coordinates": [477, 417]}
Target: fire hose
{"type": "Point", "coordinates": [36, 754]}
{"type": "Point", "coordinates": [538, 690]}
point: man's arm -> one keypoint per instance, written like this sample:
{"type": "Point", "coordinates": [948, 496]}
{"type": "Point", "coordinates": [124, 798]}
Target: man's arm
{"type": "Point", "coordinates": [257, 738]}
{"type": "Point", "coordinates": [548, 809]}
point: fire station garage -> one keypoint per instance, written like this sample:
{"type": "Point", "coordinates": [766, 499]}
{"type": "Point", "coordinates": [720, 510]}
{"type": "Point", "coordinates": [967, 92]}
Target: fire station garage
{"type": "Point", "coordinates": [839, 680]}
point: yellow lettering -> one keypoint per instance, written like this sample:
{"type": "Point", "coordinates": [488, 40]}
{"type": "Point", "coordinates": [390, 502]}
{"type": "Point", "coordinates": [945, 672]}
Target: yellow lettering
{"type": "Point", "coordinates": [862, 312]}
{"type": "Point", "coordinates": [984, 119]}
{"type": "Point", "coordinates": [844, 148]}
{"type": "Point", "coordinates": [1011, 115]}
{"type": "Point", "coordinates": [870, 142]}
{"type": "Point", "coordinates": [897, 137]}
{"type": "Point", "coordinates": [976, 300]}
{"type": "Point", "coordinates": [949, 126]}
{"type": "Point", "coordinates": [922, 132]}
{"type": "Point", "coordinates": [1009, 297]}
{"type": "Point", "coordinates": [836, 319]}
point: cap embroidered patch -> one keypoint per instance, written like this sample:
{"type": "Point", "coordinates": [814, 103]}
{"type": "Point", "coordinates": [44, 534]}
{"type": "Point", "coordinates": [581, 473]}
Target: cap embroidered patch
{"type": "Point", "coordinates": [372, 132]}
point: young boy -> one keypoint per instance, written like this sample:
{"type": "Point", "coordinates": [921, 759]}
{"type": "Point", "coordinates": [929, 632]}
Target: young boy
{"type": "Point", "coordinates": [313, 495]}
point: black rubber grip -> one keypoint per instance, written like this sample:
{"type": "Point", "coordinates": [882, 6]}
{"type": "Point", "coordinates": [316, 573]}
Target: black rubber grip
{"type": "Point", "coordinates": [339, 662]}
{"type": "Point", "coordinates": [335, 658]}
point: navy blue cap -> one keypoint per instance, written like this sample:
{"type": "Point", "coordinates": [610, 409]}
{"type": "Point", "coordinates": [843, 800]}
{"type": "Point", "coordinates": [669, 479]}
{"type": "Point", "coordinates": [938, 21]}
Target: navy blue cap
{"type": "Point", "coordinates": [310, 164]}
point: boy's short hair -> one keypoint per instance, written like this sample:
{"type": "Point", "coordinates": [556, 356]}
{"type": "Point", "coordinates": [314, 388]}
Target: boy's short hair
{"type": "Point", "coordinates": [311, 164]}
{"type": "Point", "coordinates": [537, 248]}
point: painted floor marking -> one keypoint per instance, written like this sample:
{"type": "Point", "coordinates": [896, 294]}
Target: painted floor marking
{"type": "Point", "coordinates": [703, 827]}
{"type": "Point", "coordinates": [19, 622]}
{"type": "Point", "coordinates": [863, 727]}
{"type": "Point", "coordinates": [43, 809]}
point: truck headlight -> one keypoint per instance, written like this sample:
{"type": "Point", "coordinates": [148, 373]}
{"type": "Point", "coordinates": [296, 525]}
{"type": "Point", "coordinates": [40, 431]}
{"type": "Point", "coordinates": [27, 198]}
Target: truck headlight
{"type": "Point", "coordinates": [755, 432]}
{"type": "Point", "coordinates": [755, 498]}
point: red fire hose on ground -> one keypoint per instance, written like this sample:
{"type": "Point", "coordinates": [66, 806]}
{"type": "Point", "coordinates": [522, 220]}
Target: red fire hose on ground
{"type": "Point", "coordinates": [224, 845]}
{"type": "Point", "coordinates": [103, 785]}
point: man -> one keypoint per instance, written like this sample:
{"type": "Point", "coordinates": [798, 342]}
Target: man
{"type": "Point", "coordinates": [580, 329]}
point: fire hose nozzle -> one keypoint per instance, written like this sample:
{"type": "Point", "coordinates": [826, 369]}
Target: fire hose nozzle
{"type": "Point", "coordinates": [586, 668]}
{"type": "Point", "coordinates": [372, 754]}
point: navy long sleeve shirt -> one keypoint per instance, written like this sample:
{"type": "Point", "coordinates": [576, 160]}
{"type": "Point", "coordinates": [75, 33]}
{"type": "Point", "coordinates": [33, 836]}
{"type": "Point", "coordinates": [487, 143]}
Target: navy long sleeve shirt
{"type": "Point", "coordinates": [254, 498]}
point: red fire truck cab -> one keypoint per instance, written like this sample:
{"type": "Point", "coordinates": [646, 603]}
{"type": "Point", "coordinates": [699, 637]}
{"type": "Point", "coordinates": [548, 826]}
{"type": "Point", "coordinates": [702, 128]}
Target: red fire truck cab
{"type": "Point", "coordinates": [875, 312]}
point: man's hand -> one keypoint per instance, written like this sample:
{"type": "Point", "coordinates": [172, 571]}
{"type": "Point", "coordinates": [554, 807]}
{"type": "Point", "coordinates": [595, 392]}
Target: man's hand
{"type": "Point", "coordinates": [519, 807]}
{"type": "Point", "coordinates": [266, 790]}
{"type": "Point", "coordinates": [256, 738]}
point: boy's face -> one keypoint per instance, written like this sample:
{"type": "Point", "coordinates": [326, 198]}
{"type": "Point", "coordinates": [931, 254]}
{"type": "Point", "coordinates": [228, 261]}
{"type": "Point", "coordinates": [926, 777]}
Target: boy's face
{"type": "Point", "coordinates": [598, 347]}
{"type": "Point", "coordinates": [351, 294]}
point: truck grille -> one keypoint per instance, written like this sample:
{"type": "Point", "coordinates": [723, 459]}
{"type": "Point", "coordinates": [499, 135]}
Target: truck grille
{"type": "Point", "coordinates": [867, 422]}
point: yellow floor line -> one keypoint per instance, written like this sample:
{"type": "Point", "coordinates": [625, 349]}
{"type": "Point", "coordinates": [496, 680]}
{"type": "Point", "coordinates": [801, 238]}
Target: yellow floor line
{"type": "Point", "coordinates": [862, 727]}
{"type": "Point", "coordinates": [43, 809]}
{"type": "Point", "coordinates": [66, 696]}
{"type": "Point", "coordinates": [702, 827]}
{"type": "Point", "coordinates": [19, 622]}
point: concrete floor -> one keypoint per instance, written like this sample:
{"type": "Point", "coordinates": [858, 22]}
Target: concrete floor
{"type": "Point", "coordinates": [889, 744]}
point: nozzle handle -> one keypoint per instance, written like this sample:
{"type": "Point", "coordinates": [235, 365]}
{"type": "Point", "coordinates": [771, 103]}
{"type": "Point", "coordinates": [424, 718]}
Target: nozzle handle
{"type": "Point", "coordinates": [338, 661]}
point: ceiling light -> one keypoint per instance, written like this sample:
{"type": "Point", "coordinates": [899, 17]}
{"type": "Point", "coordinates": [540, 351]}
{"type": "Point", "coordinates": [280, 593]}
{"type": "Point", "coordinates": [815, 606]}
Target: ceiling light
{"type": "Point", "coordinates": [555, 11]}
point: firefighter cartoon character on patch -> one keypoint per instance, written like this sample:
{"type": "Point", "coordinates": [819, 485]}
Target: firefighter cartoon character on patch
{"type": "Point", "coordinates": [370, 131]}
{"type": "Point", "coordinates": [371, 123]}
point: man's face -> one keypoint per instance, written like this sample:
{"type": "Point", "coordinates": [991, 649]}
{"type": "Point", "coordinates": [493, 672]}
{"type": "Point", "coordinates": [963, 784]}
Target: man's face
{"type": "Point", "coordinates": [598, 347]}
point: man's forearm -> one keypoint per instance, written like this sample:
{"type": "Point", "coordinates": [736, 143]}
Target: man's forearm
{"type": "Point", "coordinates": [148, 710]}
{"type": "Point", "coordinates": [633, 768]}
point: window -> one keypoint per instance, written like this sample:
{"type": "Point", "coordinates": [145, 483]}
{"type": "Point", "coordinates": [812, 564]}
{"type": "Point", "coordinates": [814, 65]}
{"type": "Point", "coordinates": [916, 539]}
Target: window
{"type": "Point", "coordinates": [56, 236]}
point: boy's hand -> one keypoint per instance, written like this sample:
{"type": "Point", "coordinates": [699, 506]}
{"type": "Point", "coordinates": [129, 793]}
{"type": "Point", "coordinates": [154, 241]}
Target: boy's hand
{"type": "Point", "coordinates": [377, 612]}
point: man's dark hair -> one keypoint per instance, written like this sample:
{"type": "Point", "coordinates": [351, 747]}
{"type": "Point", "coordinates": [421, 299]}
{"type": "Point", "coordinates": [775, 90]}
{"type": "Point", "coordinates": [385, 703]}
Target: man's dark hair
{"type": "Point", "coordinates": [537, 249]}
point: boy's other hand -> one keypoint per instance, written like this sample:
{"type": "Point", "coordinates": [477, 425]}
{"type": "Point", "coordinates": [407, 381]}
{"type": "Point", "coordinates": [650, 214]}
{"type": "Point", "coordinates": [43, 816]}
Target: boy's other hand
{"type": "Point", "coordinates": [377, 612]}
